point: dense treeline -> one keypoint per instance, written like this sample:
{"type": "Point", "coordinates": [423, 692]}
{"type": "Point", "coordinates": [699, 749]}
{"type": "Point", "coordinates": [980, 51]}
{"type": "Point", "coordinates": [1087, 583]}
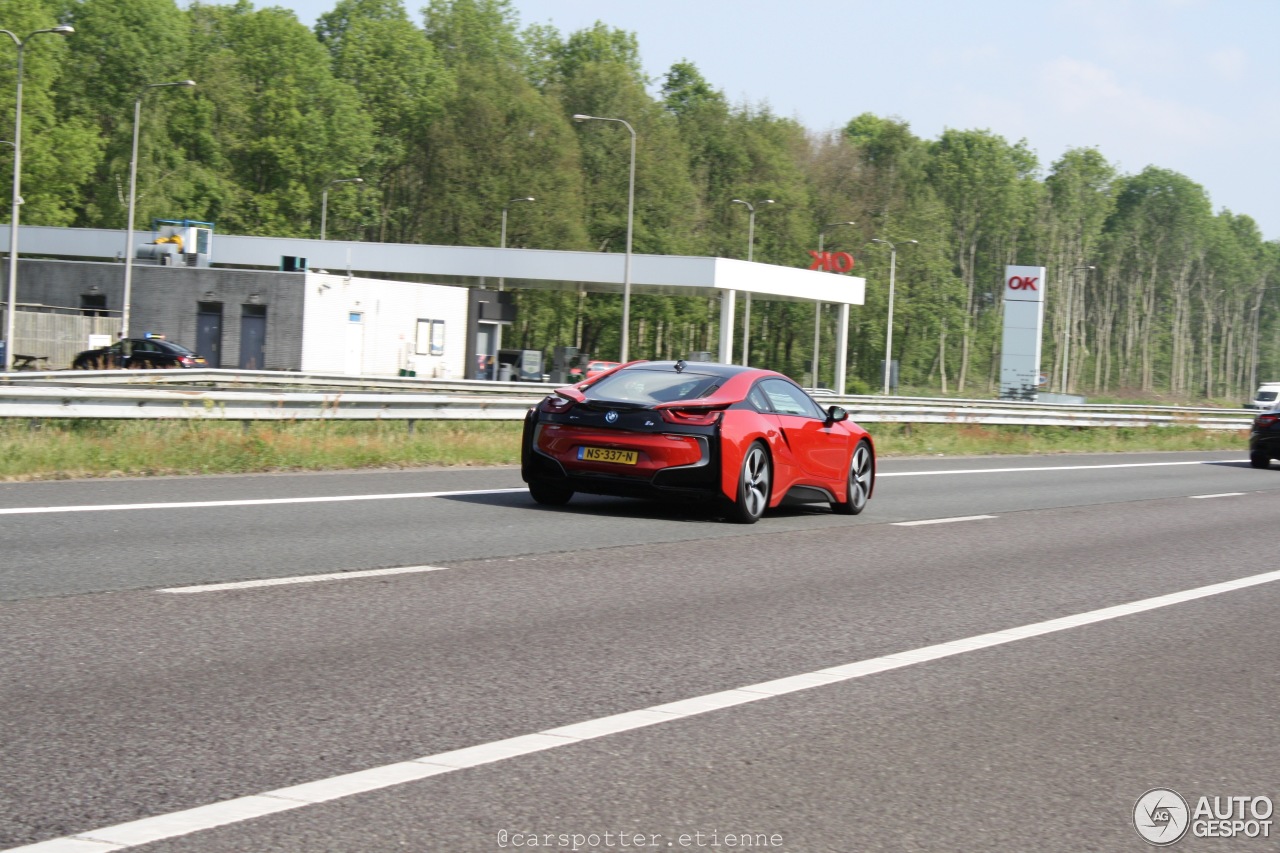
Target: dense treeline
{"type": "Point", "coordinates": [449, 119]}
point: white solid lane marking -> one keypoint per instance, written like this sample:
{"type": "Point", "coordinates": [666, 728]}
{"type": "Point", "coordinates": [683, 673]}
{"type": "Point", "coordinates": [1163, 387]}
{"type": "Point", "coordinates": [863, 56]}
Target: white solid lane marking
{"type": "Point", "coordinates": [330, 576]}
{"type": "Point", "coordinates": [32, 510]}
{"type": "Point", "coordinates": [1222, 495]}
{"type": "Point", "coordinates": [1043, 468]}
{"type": "Point", "coordinates": [940, 520]}
{"type": "Point", "coordinates": [174, 824]}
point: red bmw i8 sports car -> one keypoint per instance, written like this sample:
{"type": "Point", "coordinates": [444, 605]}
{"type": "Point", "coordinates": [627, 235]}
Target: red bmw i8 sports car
{"type": "Point", "coordinates": [669, 429]}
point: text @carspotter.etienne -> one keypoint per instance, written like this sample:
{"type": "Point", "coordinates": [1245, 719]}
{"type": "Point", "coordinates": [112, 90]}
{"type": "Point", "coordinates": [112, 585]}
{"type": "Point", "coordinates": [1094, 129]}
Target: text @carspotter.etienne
{"type": "Point", "coordinates": [609, 840]}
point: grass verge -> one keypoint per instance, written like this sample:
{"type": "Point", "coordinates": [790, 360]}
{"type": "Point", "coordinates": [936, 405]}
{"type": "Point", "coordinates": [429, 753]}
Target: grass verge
{"type": "Point", "coordinates": [977, 440]}
{"type": "Point", "coordinates": [70, 449]}
{"type": "Point", "coordinates": [67, 449]}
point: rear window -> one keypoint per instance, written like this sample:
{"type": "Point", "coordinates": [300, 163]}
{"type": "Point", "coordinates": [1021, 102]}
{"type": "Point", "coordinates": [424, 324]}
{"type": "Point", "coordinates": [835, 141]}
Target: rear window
{"type": "Point", "coordinates": [647, 387]}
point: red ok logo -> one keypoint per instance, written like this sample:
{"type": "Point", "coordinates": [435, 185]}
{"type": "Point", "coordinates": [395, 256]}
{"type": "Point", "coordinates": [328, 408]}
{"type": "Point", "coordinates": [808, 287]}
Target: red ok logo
{"type": "Point", "coordinates": [831, 261]}
{"type": "Point", "coordinates": [1020, 283]}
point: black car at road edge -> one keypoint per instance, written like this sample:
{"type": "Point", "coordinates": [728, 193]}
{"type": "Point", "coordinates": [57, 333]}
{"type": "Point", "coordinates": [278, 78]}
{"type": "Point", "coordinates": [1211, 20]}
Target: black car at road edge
{"type": "Point", "coordinates": [1264, 439]}
{"type": "Point", "coordinates": [149, 353]}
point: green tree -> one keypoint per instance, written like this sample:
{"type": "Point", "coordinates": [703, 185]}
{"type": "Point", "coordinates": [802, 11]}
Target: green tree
{"type": "Point", "coordinates": [1079, 198]}
{"type": "Point", "coordinates": [58, 151]}
{"type": "Point", "coordinates": [403, 87]}
{"type": "Point", "coordinates": [121, 48]}
{"type": "Point", "coordinates": [982, 181]}
{"type": "Point", "coordinates": [496, 139]}
{"type": "Point", "coordinates": [1157, 236]}
{"type": "Point", "coordinates": [596, 72]}
{"type": "Point", "coordinates": [272, 125]}
{"type": "Point", "coordinates": [776, 150]}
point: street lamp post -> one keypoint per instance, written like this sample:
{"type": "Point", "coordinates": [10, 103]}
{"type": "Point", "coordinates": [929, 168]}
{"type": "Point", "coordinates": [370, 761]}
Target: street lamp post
{"type": "Point", "coordinates": [12, 302]}
{"type": "Point", "coordinates": [133, 187]}
{"type": "Point", "coordinates": [751, 244]}
{"type": "Point", "coordinates": [888, 335]}
{"type": "Point", "coordinates": [817, 310]}
{"type": "Point", "coordinates": [1066, 334]}
{"type": "Point", "coordinates": [324, 200]}
{"type": "Point", "coordinates": [631, 209]}
{"type": "Point", "coordinates": [502, 244]}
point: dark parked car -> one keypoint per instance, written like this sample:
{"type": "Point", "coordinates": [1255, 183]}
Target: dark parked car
{"type": "Point", "coordinates": [748, 438]}
{"type": "Point", "coordinates": [138, 354]}
{"type": "Point", "coordinates": [1264, 439]}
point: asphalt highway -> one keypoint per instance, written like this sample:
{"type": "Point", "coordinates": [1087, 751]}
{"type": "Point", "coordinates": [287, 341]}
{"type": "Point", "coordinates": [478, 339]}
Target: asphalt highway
{"type": "Point", "coordinates": [999, 654]}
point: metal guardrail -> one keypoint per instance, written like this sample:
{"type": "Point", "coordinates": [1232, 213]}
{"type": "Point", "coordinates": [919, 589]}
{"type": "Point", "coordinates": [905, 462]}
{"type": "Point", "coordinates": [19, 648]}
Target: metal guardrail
{"type": "Point", "coordinates": [258, 395]}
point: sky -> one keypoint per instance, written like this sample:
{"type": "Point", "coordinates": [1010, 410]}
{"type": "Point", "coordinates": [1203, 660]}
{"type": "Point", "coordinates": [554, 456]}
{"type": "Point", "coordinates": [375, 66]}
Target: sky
{"type": "Point", "coordinates": [1187, 85]}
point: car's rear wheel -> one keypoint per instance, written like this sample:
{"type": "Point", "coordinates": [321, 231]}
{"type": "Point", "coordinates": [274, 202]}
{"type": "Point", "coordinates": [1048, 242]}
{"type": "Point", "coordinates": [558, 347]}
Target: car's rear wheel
{"type": "Point", "coordinates": [754, 482]}
{"type": "Point", "coordinates": [862, 477]}
{"type": "Point", "coordinates": [549, 494]}
{"type": "Point", "coordinates": [1259, 460]}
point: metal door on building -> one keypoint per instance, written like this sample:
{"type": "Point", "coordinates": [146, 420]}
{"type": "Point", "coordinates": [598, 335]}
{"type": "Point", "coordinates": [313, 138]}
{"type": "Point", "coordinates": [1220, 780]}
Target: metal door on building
{"type": "Point", "coordinates": [209, 332]}
{"type": "Point", "coordinates": [253, 337]}
{"type": "Point", "coordinates": [353, 364]}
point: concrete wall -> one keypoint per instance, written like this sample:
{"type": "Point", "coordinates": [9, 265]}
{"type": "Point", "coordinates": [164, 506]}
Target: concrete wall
{"type": "Point", "coordinates": [166, 299]}
{"type": "Point", "coordinates": [309, 315]}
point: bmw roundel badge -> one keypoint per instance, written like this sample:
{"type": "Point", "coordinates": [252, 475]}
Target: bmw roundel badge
{"type": "Point", "coordinates": [611, 417]}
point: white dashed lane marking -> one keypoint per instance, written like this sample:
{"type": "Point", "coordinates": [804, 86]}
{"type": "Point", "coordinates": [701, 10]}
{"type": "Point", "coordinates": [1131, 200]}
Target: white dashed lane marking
{"type": "Point", "coordinates": [331, 576]}
{"type": "Point", "coordinates": [952, 520]}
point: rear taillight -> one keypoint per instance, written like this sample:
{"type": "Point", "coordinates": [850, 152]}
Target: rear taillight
{"type": "Point", "coordinates": [691, 417]}
{"type": "Point", "coordinates": [186, 361]}
{"type": "Point", "coordinates": [555, 404]}
{"type": "Point", "coordinates": [1265, 420]}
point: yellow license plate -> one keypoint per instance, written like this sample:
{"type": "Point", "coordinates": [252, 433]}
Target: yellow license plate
{"type": "Point", "coordinates": [607, 454]}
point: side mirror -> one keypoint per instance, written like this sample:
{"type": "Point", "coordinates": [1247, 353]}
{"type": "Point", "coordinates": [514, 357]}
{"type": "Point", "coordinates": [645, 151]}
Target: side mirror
{"type": "Point", "coordinates": [835, 414]}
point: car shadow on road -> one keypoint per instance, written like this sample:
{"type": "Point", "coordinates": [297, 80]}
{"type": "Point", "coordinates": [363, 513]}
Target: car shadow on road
{"type": "Point", "coordinates": [605, 507]}
{"type": "Point", "coordinates": [1230, 463]}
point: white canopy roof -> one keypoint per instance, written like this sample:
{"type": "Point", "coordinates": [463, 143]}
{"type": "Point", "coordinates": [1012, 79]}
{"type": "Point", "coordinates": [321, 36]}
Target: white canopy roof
{"type": "Point", "coordinates": [596, 272]}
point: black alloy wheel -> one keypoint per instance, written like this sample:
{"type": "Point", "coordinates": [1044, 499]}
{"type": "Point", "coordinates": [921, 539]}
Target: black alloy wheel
{"type": "Point", "coordinates": [754, 482]}
{"type": "Point", "coordinates": [862, 477]}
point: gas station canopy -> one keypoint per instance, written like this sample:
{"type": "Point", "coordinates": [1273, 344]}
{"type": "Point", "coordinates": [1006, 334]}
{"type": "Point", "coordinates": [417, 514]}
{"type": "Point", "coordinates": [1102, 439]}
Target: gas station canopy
{"type": "Point", "coordinates": [592, 272]}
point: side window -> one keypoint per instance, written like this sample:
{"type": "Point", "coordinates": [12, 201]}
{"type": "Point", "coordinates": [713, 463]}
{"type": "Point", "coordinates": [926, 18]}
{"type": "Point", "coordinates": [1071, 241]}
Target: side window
{"type": "Point", "coordinates": [429, 338]}
{"type": "Point", "coordinates": [787, 399]}
{"type": "Point", "coordinates": [759, 399]}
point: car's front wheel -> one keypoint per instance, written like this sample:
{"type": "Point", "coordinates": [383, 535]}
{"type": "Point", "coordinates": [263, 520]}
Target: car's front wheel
{"type": "Point", "coordinates": [754, 482]}
{"type": "Point", "coordinates": [1259, 460]}
{"type": "Point", "coordinates": [862, 477]}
